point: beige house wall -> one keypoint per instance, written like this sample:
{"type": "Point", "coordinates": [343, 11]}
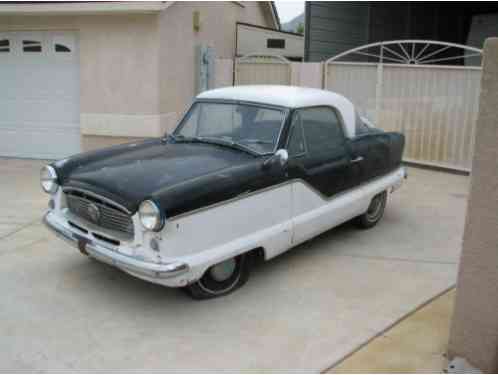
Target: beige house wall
{"type": "Point", "coordinates": [178, 42]}
{"type": "Point", "coordinates": [474, 331]}
{"type": "Point", "coordinates": [138, 71]}
{"type": "Point", "coordinates": [118, 60]}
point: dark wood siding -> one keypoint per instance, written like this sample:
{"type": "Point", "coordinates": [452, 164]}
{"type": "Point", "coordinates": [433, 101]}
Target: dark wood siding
{"type": "Point", "coordinates": [335, 27]}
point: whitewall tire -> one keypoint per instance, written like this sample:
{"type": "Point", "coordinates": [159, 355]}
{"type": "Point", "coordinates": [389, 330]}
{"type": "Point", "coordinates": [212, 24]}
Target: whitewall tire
{"type": "Point", "coordinates": [222, 278]}
{"type": "Point", "coordinates": [374, 213]}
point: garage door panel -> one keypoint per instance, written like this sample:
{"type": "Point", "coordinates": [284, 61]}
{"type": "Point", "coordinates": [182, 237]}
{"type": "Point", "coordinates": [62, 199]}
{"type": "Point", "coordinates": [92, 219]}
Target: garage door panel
{"type": "Point", "coordinates": [36, 126]}
{"type": "Point", "coordinates": [36, 143]}
{"type": "Point", "coordinates": [39, 83]}
{"type": "Point", "coordinates": [39, 107]}
{"type": "Point", "coordinates": [43, 111]}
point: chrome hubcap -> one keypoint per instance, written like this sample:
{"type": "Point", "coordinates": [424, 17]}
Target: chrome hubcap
{"type": "Point", "coordinates": [224, 270]}
{"type": "Point", "coordinates": [375, 208]}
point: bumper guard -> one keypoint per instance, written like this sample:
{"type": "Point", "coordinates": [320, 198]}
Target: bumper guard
{"type": "Point", "coordinates": [112, 257]}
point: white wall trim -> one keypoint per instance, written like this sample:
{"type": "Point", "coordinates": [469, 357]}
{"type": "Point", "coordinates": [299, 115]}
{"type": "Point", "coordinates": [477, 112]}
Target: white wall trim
{"type": "Point", "coordinates": [124, 125]}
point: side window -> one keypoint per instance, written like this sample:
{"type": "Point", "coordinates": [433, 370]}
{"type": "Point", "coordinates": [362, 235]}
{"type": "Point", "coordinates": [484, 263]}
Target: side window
{"type": "Point", "coordinates": [322, 129]}
{"type": "Point", "coordinates": [296, 145]}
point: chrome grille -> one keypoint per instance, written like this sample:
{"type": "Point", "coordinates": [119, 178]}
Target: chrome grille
{"type": "Point", "coordinates": [111, 217]}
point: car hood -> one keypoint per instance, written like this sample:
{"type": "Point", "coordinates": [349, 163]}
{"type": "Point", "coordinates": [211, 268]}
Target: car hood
{"type": "Point", "coordinates": [156, 170]}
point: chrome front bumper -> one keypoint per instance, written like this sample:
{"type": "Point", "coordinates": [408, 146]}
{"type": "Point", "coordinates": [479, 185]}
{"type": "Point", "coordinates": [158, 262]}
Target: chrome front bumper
{"type": "Point", "coordinates": [112, 257]}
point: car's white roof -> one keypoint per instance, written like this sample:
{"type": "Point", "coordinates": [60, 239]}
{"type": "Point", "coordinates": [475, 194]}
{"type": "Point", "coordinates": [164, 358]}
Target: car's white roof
{"type": "Point", "coordinates": [290, 97]}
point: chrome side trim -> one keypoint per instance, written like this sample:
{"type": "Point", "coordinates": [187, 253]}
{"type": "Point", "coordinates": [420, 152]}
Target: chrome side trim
{"type": "Point", "coordinates": [125, 262]}
{"type": "Point", "coordinates": [107, 200]}
{"type": "Point", "coordinates": [288, 182]}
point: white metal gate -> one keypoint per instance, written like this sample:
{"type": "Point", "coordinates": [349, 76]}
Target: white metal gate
{"type": "Point", "coordinates": [266, 69]}
{"type": "Point", "coordinates": [398, 85]}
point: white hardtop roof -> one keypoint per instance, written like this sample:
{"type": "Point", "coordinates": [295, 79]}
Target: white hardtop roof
{"type": "Point", "coordinates": [289, 97]}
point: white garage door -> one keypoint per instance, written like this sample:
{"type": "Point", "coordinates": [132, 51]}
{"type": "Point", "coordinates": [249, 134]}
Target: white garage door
{"type": "Point", "coordinates": [39, 94]}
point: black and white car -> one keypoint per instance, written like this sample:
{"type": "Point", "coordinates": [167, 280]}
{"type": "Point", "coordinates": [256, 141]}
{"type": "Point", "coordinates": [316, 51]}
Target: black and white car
{"type": "Point", "coordinates": [250, 171]}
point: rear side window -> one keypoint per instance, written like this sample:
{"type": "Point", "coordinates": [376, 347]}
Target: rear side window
{"type": "Point", "coordinates": [322, 129]}
{"type": "Point", "coordinates": [360, 127]}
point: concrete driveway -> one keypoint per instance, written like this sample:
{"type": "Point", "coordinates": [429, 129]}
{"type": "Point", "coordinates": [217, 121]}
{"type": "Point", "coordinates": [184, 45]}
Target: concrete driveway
{"type": "Point", "coordinates": [303, 311]}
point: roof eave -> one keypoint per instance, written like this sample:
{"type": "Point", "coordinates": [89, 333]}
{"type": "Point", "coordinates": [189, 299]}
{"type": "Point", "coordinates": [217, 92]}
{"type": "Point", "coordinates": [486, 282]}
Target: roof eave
{"type": "Point", "coordinates": [84, 8]}
{"type": "Point", "coordinates": [274, 13]}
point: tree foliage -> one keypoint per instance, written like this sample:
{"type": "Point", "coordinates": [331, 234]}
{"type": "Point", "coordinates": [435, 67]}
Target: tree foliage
{"type": "Point", "coordinates": [300, 28]}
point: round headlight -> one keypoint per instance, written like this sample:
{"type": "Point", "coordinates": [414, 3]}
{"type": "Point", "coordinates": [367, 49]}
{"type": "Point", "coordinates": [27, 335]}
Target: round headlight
{"type": "Point", "coordinates": [48, 179]}
{"type": "Point", "coordinates": [150, 216]}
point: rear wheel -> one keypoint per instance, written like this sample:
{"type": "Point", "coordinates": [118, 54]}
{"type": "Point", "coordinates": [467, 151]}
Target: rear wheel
{"type": "Point", "coordinates": [222, 278]}
{"type": "Point", "coordinates": [374, 212]}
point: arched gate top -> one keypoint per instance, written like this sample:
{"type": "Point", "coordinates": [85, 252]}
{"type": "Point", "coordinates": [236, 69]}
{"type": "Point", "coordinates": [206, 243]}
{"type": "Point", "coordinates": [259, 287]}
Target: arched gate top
{"type": "Point", "coordinates": [411, 51]}
{"type": "Point", "coordinates": [263, 58]}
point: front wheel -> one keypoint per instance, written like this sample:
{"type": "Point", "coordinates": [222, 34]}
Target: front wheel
{"type": "Point", "coordinates": [221, 278]}
{"type": "Point", "coordinates": [374, 212]}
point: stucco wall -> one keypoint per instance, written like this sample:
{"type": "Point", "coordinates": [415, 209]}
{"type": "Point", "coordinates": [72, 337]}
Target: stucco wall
{"type": "Point", "coordinates": [118, 54]}
{"type": "Point", "coordinates": [178, 41]}
{"type": "Point", "coordinates": [137, 71]}
{"type": "Point", "coordinates": [474, 332]}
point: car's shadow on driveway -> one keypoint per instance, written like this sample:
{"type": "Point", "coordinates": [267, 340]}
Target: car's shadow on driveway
{"type": "Point", "coordinates": [107, 278]}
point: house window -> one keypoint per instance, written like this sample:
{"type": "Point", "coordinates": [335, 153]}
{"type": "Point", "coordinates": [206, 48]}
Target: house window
{"type": "Point", "coordinates": [61, 48]}
{"type": "Point", "coordinates": [31, 46]}
{"type": "Point", "coordinates": [4, 45]}
{"type": "Point", "coordinates": [275, 43]}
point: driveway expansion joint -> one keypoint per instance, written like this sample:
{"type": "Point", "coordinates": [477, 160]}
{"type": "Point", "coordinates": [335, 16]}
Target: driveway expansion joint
{"type": "Point", "coordinates": [27, 225]}
{"type": "Point", "coordinates": [397, 259]}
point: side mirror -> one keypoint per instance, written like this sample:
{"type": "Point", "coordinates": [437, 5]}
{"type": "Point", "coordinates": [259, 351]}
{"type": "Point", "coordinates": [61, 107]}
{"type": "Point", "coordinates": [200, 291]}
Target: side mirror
{"type": "Point", "coordinates": [280, 158]}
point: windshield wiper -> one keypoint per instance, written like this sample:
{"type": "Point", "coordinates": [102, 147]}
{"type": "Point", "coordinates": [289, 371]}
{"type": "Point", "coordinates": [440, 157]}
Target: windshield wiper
{"type": "Point", "coordinates": [257, 142]}
{"type": "Point", "coordinates": [182, 138]}
{"type": "Point", "coordinates": [179, 138]}
{"type": "Point", "coordinates": [216, 141]}
{"type": "Point", "coordinates": [227, 143]}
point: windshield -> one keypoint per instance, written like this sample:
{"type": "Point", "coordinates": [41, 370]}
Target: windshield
{"type": "Point", "coordinates": [251, 126]}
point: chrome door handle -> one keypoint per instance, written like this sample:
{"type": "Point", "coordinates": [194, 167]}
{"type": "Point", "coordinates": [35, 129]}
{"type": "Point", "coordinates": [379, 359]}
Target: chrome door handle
{"type": "Point", "coordinates": [357, 159]}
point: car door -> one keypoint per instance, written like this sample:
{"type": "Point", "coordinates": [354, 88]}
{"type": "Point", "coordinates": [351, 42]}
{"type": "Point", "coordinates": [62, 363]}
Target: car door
{"type": "Point", "coordinates": [319, 157]}
{"type": "Point", "coordinates": [319, 153]}
{"type": "Point", "coordinates": [373, 152]}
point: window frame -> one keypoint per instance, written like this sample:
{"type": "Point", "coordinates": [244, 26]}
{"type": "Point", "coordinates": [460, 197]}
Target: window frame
{"type": "Point", "coordinates": [285, 111]}
{"type": "Point", "coordinates": [305, 152]}
{"type": "Point", "coordinates": [295, 110]}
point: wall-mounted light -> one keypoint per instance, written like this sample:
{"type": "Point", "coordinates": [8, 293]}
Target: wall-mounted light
{"type": "Point", "coordinates": [196, 21]}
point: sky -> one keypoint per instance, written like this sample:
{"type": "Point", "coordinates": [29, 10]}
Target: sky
{"type": "Point", "coordinates": [287, 10]}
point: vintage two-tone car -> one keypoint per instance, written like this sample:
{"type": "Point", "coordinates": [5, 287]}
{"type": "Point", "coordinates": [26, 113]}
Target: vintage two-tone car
{"type": "Point", "coordinates": [250, 171]}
